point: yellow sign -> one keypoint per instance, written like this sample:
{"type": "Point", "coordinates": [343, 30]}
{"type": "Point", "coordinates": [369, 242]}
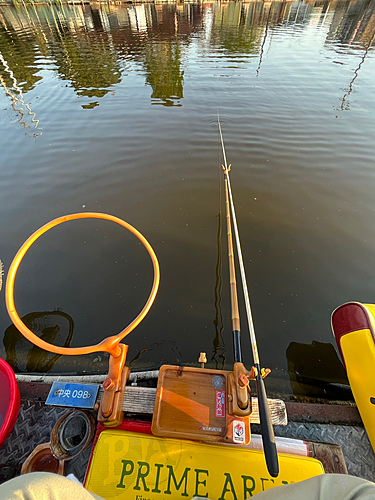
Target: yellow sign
{"type": "Point", "coordinates": [134, 466]}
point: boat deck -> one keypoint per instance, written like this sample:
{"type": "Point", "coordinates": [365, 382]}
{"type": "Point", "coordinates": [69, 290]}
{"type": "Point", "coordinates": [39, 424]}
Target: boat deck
{"type": "Point", "coordinates": [340, 425]}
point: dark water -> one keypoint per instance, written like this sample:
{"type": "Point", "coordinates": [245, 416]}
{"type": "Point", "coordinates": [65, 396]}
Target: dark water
{"type": "Point", "coordinates": [113, 109]}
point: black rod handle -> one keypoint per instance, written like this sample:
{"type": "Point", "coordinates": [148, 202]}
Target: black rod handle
{"type": "Point", "coordinates": [237, 346]}
{"type": "Point", "coordinates": [268, 437]}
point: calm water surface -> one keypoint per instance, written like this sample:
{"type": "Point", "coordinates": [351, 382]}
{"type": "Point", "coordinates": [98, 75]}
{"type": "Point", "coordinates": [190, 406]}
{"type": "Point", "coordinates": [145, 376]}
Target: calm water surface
{"type": "Point", "coordinates": [113, 109]}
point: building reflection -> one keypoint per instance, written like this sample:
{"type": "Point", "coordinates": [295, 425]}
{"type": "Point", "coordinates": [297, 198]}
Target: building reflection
{"type": "Point", "coordinates": [54, 327]}
{"type": "Point", "coordinates": [353, 25]}
{"type": "Point", "coordinates": [94, 47]}
{"type": "Point", "coordinates": [239, 27]}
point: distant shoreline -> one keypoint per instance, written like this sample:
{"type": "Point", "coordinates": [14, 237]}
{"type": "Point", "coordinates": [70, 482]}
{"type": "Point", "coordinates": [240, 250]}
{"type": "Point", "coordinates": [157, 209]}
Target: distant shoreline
{"type": "Point", "coordinates": [138, 2]}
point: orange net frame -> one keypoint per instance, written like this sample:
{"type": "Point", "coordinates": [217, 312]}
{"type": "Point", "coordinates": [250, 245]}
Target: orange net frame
{"type": "Point", "coordinates": [110, 344]}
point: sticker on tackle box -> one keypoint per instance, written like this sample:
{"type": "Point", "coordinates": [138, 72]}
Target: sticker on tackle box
{"type": "Point", "coordinates": [239, 432]}
{"type": "Point", "coordinates": [220, 404]}
{"type": "Point", "coordinates": [72, 395]}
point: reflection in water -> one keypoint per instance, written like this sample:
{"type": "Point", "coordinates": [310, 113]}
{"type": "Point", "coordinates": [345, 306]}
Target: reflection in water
{"type": "Point", "coordinates": [357, 30]}
{"type": "Point", "coordinates": [218, 350]}
{"type": "Point", "coordinates": [19, 52]}
{"type": "Point", "coordinates": [91, 47]}
{"type": "Point", "coordinates": [344, 102]}
{"type": "Point", "coordinates": [238, 27]}
{"type": "Point", "coordinates": [161, 53]}
{"type": "Point", "coordinates": [352, 25]}
{"type": "Point", "coordinates": [89, 62]}
{"type": "Point", "coordinates": [263, 43]}
{"type": "Point", "coordinates": [54, 327]}
{"type": "Point", "coordinates": [315, 370]}
{"type": "Point", "coordinates": [163, 72]}
{"type": "Point", "coordinates": [19, 99]}
{"type": "Point", "coordinates": [171, 354]}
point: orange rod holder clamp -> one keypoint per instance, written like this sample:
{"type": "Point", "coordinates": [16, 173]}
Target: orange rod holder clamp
{"type": "Point", "coordinates": [110, 411]}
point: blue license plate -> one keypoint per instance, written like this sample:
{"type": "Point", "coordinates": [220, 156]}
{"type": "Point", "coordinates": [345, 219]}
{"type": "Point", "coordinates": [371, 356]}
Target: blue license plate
{"type": "Point", "coordinates": [72, 395]}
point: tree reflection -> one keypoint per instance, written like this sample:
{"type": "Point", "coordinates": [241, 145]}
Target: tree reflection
{"type": "Point", "coordinates": [86, 58]}
{"type": "Point", "coordinates": [239, 27]}
{"type": "Point", "coordinates": [163, 72]}
{"type": "Point", "coordinates": [156, 31]}
{"type": "Point", "coordinates": [234, 30]}
{"type": "Point", "coordinates": [91, 47]}
{"type": "Point", "coordinates": [20, 56]}
{"type": "Point", "coordinates": [91, 68]}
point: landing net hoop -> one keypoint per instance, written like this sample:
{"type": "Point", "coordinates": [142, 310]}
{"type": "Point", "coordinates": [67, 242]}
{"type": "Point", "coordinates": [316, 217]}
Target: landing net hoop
{"type": "Point", "coordinates": [110, 344]}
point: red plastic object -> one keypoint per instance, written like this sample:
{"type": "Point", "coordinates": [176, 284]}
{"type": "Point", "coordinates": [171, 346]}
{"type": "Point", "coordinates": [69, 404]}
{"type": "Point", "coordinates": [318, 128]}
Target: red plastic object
{"type": "Point", "coordinates": [349, 318]}
{"type": "Point", "coordinates": [9, 400]}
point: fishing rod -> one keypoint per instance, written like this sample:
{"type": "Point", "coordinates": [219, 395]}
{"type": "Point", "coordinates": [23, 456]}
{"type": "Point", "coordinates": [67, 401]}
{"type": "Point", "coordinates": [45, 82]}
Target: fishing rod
{"type": "Point", "coordinates": [268, 437]}
{"type": "Point", "coordinates": [236, 328]}
{"type": "Point", "coordinates": [238, 382]}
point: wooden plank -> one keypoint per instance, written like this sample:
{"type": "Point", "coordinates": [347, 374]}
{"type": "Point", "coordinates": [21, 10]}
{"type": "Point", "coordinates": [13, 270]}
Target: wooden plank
{"type": "Point", "coordinates": [330, 455]}
{"type": "Point", "coordinates": [142, 400]}
{"type": "Point", "coordinates": [139, 400]}
{"type": "Point", "coordinates": [323, 414]}
{"type": "Point", "coordinates": [277, 410]}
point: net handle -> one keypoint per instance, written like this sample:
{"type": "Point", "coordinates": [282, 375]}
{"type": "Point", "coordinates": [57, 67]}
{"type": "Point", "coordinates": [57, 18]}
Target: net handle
{"type": "Point", "coordinates": [110, 344]}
